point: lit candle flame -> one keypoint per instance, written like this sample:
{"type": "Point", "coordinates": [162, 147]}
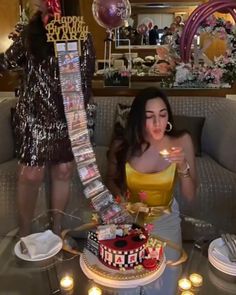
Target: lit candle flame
{"type": "Point", "coordinates": [67, 283]}
{"type": "Point", "coordinates": [164, 153]}
{"type": "Point", "coordinates": [196, 279]}
{"type": "Point", "coordinates": [184, 284]}
{"type": "Point", "coordinates": [95, 291]}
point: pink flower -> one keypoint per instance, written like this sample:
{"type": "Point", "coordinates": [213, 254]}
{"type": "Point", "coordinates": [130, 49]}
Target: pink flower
{"type": "Point", "coordinates": [211, 21]}
{"type": "Point", "coordinates": [217, 74]}
{"type": "Point", "coordinates": [149, 227]}
{"type": "Point", "coordinates": [142, 196]}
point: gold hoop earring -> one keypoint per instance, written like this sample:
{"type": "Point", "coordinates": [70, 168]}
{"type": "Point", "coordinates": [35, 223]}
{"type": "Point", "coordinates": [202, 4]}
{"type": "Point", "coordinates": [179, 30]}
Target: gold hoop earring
{"type": "Point", "coordinates": [170, 127]}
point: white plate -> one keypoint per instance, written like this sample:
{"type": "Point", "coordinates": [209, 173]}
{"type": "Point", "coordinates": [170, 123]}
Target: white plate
{"type": "Point", "coordinates": [222, 269]}
{"type": "Point", "coordinates": [222, 266]}
{"type": "Point", "coordinates": [219, 258]}
{"type": "Point", "coordinates": [19, 254]}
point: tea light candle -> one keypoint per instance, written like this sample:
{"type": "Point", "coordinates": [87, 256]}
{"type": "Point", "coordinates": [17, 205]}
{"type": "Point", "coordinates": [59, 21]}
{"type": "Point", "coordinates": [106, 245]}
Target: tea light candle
{"type": "Point", "coordinates": [164, 153]}
{"type": "Point", "coordinates": [94, 291]}
{"type": "Point", "coordinates": [196, 279]}
{"type": "Point", "coordinates": [184, 284]}
{"type": "Point", "coordinates": [67, 283]}
{"type": "Point", "coordinates": [187, 293]}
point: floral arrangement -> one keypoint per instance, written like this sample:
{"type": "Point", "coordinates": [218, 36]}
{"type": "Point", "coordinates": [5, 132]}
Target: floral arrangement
{"type": "Point", "coordinates": [116, 77]}
{"type": "Point", "coordinates": [221, 73]}
{"type": "Point", "coordinates": [220, 28]}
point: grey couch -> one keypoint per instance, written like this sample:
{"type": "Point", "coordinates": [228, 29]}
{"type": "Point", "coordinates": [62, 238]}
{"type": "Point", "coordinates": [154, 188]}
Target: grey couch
{"type": "Point", "coordinates": [216, 196]}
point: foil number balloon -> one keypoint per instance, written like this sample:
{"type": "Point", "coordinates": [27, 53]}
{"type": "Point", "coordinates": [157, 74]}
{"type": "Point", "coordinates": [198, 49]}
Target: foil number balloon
{"type": "Point", "coordinates": [111, 14]}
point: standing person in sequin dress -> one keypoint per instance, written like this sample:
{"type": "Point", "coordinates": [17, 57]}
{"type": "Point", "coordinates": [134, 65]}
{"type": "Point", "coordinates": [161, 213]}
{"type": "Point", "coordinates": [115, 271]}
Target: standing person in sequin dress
{"type": "Point", "coordinates": [40, 125]}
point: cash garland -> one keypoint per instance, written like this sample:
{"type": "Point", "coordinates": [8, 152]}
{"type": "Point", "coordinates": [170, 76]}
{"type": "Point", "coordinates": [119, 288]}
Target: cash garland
{"type": "Point", "coordinates": [67, 34]}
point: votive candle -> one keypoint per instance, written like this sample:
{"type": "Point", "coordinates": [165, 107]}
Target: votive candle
{"type": "Point", "coordinates": [94, 291]}
{"type": "Point", "coordinates": [196, 279]}
{"type": "Point", "coordinates": [184, 284]}
{"type": "Point", "coordinates": [164, 152]}
{"type": "Point", "coordinates": [67, 283]}
{"type": "Point", "coordinates": [187, 293]}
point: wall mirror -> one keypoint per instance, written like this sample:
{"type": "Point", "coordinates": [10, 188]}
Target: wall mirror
{"type": "Point", "coordinates": [146, 14]}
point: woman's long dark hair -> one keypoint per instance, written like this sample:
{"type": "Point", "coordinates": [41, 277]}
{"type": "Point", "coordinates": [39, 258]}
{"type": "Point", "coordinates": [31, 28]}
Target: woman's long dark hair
{"type": "Point", "coordinates": [36, 39]}
{"type": "Point", "coordinates": [134, 140]}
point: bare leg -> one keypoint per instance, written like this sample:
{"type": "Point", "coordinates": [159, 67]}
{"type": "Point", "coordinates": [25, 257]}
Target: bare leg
{"type": "Point", "coordinates": [61, 175]}
{"type": "Point", "coordinates": [29, 181]}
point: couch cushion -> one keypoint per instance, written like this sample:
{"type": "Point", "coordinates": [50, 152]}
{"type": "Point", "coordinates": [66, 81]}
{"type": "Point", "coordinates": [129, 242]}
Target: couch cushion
{"type": "Point", "coordinates": [192, 125]}
{"type": "Point", "coordinates": [101, 158]}
{"type": "Point", "coordinates": [122, 112]}
{"type": "Point", "coordinates": [219, 134]}
{"type": "Point", "coordinates": [8, 203]}
{"type": "Point", "coordinates": [215, 201]}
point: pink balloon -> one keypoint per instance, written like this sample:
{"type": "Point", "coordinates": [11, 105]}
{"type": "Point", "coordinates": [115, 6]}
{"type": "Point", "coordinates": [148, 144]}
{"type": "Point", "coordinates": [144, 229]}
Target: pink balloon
{"type": "Point", "coordinates": [111, 14]}
{"type": "Point", "coordinates": [223, 10]}
{"type": "Point", "coordinates": [150, 25]}
{"type": "Point", "coordinates": [142, 29]}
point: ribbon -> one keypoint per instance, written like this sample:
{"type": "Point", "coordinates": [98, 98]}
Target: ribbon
{"type": "Point", "coordinates": [136, 208]}
{"type": "Point", "coordinates": [54, 7]}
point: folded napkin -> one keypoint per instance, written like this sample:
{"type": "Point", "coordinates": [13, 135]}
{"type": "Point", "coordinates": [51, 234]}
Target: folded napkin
{"type": "Point", "coordinates": [220, 251]}
{"type": "Point", "coordinates": [41, 245]}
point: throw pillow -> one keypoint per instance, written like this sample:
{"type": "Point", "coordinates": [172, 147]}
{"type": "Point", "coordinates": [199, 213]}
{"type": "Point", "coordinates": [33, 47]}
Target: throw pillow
{"type": "Point", "coordinates": [122, 112]}
{"type": "Point", "coordinates": [192, 125]}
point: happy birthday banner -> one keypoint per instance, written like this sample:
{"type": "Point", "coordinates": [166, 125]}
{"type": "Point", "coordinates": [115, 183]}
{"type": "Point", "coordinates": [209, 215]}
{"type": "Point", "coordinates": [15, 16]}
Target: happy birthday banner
{"type": "Point", "coordinates": [67, 34]}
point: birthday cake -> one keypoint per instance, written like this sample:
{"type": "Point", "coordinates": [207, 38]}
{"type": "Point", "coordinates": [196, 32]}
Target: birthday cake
{"type": "Point", "coordinates": [125, 246]}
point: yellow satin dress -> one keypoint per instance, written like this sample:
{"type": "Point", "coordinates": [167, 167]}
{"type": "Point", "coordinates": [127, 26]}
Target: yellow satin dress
{"type": "Point", "coordinates": [157, 188]}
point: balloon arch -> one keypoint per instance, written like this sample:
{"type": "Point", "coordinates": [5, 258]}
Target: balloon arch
{"type": "Point", "coordinates": [197, 17]}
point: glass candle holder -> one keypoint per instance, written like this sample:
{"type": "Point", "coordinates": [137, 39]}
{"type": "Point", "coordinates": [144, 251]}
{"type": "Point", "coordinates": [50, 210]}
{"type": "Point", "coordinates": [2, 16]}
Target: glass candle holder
{"type": "Point", "coordinates": [187, 293]}
{"type": "Point", "coordinates": [196, 279]}
{"type": "Point", "coordinates": [94, 291]}
{"type": "Point", "coordinates": [67, 283]}
{"type": "Point", "coordinates": [184, 284]}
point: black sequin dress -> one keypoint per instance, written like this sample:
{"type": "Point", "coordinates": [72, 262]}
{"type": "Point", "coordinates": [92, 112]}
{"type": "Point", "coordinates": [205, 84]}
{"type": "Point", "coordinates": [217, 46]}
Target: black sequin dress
{"type": "Point", "coordinates": [40, 124]}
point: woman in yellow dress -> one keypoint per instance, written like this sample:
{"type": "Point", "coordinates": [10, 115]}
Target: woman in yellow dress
{"type": "Point", "coordinates": [138, 165]}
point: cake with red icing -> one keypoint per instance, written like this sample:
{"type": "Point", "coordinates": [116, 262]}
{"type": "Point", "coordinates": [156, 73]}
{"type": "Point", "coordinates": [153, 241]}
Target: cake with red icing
{"type": "Point", "coordinates": [125, 247]}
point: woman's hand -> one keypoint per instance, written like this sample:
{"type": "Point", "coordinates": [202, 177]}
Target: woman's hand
{"type": "Point", "coordinates": [177, 155]}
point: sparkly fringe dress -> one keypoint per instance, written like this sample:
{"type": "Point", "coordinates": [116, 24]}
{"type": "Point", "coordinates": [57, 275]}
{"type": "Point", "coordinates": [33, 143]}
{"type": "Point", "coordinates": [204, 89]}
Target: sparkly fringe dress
{"type": "Point", "coordinates": [40, 130]}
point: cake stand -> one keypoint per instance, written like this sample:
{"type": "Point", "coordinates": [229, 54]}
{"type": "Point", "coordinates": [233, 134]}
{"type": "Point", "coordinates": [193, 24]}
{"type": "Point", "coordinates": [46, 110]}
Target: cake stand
{"type": "Point", "coordinates": [95, 270]}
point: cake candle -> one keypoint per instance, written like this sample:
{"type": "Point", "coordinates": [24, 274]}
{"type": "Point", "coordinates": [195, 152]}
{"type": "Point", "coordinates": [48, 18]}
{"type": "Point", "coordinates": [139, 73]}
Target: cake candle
{"type": "Point", "coordinates": [196, 279]}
